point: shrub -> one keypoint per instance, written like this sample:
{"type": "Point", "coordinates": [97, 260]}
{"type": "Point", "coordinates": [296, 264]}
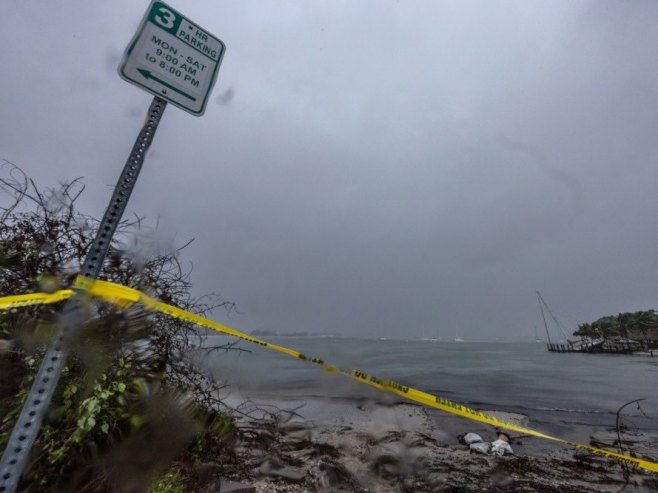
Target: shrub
{"type": "Point", "coordinates": [130, 397]}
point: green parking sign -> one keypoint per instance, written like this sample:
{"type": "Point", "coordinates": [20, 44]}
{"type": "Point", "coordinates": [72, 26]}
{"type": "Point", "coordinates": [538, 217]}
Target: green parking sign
{"type": "Point", "coordinates": [173, 58]}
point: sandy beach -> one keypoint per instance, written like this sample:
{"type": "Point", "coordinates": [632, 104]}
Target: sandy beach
{"type": "Point", "coordinates": [343, 445]}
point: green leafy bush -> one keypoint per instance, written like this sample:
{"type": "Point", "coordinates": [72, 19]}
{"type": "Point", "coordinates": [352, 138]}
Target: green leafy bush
{"type": "Point", "coordinates": [130, 399]}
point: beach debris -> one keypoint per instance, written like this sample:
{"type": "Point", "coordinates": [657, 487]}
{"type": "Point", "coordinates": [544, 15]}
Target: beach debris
{"type": "Point", "coordinates": [475, 443]}
{"type": "Point", "coordinates": [589, 459]}
{"type": "Point", "coordinates": [233, 487]}
{"type": "Point", "coordinates": [291, 473]}
{"type": "Point", "coordinates": [335, 475]}
{"type": "Point", "coordinates": [397, 458]}
{"type": "Point", "coordinates": [472, 438]}
{"type": "Point", "coordinates": [643, 443]}
{"type": "Point", "coordinates": [295, 433]}
{"type": "Point", "coordinates": [480, 447]}
{"type": "Point", "coordinates": [500, 446]}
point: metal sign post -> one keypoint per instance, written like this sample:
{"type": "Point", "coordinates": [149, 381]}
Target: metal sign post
{"type": "Point", "coordinates": [177, 61]}
{"type": "Point", "coordinates": [73, 313]}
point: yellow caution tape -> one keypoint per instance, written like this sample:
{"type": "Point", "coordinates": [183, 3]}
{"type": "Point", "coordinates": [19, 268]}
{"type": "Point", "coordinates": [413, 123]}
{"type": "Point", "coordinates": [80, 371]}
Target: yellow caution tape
{"type": "Point", "coordinates": [124, 296]}
{"type": "Point", "coordinates": [9, 302]}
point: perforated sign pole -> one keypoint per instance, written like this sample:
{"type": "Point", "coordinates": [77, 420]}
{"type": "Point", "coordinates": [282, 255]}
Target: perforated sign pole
{"type": "Point", "coordinates": [74, 313]}
{"type": "Point", "coordinates": [177, 61]}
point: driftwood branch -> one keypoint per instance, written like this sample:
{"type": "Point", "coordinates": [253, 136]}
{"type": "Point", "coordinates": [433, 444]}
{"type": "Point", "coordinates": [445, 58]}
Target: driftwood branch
{"type": "Point", "coordinates": [620, 427]}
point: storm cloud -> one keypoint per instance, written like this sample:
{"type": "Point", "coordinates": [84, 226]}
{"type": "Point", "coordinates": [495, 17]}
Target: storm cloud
{"type": "Point", "coordinates": [371, 168]}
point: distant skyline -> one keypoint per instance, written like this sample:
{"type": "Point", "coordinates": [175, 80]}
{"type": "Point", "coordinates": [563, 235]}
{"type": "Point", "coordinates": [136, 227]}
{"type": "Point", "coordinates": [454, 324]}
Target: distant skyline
{"type": "Point", "coordinates": [372, 168]}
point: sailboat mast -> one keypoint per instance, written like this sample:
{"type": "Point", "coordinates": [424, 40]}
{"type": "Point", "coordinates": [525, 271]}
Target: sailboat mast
{"type": "Point", "coordinates": [543, 316]}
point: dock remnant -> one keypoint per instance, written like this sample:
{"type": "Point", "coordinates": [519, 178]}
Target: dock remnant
{"type": "Point", "coordinates": [598, 346]}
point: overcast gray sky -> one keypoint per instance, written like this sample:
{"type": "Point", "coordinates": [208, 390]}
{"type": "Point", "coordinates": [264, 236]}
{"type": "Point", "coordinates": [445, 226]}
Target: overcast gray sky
{"type": "Point", "coordinates": [376, 168]}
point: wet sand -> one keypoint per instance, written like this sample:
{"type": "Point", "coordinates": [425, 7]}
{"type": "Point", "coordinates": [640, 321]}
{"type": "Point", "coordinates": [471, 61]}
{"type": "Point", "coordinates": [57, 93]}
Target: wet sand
{"type": "Point", "coordinates": [345, 445]}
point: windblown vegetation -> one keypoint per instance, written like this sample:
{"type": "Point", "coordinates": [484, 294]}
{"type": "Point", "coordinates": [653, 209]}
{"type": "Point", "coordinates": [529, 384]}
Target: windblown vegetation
{"type": "Point", "coordinates": [131, 410]}
{"type": "Point", "coordinates": [637, 325]}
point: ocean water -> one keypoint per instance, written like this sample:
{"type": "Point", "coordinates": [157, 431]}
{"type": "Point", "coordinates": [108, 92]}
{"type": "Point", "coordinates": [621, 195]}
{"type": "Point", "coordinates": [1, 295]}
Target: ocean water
{"type": "Point", "coordinates": [563, 394]}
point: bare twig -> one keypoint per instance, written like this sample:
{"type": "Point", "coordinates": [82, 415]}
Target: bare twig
{"type": "Point", "coordinates": [43, 240]}
{"type": "Point", "coordinates": [620, 427]}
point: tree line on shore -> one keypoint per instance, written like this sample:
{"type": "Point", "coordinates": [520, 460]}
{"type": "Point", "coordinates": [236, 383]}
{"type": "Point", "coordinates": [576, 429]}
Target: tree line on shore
{"type": "Point", "coordinates": [636, 325]}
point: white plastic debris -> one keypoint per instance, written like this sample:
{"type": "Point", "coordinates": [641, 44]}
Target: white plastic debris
{"type": "Point", "coordinates": [480, 447]}
{"type": "Point", "coordinates": [501, 447]}
{"type": "Point", "coordinates": [472, 438]}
